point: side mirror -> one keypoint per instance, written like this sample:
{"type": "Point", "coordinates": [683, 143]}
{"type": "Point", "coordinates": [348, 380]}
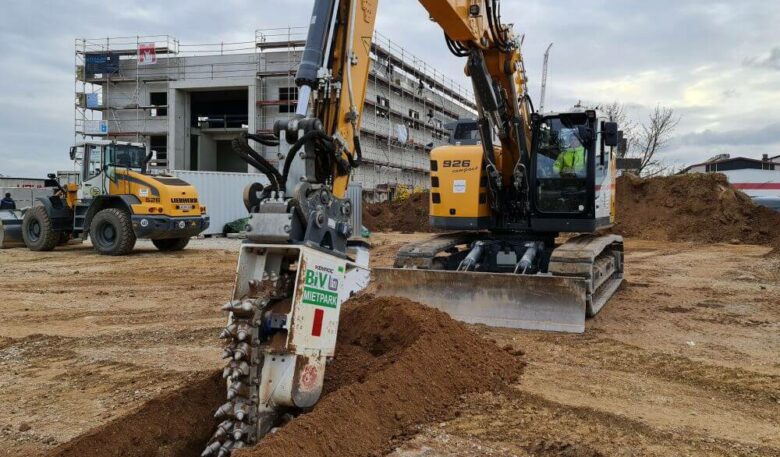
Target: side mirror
{"type": "Point", "coordinates": [585, 134]}
{"type": "Point", "coordinates": [610, 134]}
{"type": "Point", "coordinates": [73, 153]}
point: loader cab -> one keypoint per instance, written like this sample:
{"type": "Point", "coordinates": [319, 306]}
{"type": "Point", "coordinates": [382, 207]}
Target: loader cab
{"type": "Point", "coordinates": [100, 160]}
{"type": "Point", "coordinates": [573, 172]}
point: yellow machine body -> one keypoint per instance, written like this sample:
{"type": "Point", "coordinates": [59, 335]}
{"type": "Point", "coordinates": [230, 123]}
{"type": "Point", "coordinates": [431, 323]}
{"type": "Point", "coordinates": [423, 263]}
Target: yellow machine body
{"type": "Point", "coordinates": [168, 196]}
{"type": "Point", "coordinates": [458, 188]}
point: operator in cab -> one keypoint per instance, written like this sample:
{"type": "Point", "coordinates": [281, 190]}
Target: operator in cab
{"type": "Point", "coordinates": [7, 202]}
{"type": "Point", "coordinates": [571, 159]}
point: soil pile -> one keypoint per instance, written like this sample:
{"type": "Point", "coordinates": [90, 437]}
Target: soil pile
{"type": "Point", "coordinates": [406, 216]}
{"type": "Point", "coordinates": [398, 364]}
{"type": "Point", "coordinates": [401, 364]}
{"type": "Point", "coordinates": [696, 207]}
{"type": "Point", "coordinates": [175, 424]}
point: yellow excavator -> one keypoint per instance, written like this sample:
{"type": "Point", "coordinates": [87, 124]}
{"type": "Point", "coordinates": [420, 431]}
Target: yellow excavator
{"type": "Point", "coordinates": [510, 184]}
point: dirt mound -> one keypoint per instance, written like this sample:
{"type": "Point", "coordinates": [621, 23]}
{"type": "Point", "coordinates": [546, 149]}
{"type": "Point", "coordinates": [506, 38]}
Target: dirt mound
{"type": "Point", "coordinates": [175, 424]}
{"type": "Point", "coordinates": [406, 216]}
{"type": "Point", "coordinates": [700, 208]}
{"type": "Point", "coordinates": [406, 364]}
{"type": "Point", "coordinates": [398, 364]}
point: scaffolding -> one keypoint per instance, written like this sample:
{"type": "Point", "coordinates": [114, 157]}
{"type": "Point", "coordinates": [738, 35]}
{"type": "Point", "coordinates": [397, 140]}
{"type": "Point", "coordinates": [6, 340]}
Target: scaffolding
{"type": "Point", "coordinates": [409, 102]}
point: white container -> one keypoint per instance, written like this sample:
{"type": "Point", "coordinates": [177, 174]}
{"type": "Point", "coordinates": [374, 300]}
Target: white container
{"type": "Point", "coordinates": [222, 193]}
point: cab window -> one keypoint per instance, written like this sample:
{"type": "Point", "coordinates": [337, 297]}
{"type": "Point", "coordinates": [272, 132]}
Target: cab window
{"type": "Point", "coordinates": [93, 166]}
{"type": "Point", "coordinates": [562, 165]}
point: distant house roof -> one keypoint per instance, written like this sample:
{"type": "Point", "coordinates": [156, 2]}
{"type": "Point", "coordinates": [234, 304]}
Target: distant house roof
{"type": "Point", "coordinates": [734, 163]}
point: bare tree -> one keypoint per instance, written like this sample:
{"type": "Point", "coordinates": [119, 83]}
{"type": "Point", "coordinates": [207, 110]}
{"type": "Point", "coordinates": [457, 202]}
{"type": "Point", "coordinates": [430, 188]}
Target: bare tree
{"type": "Point", "coordinates": [616, 112]}
{"type": "Point", "coordinates": [653, 136]}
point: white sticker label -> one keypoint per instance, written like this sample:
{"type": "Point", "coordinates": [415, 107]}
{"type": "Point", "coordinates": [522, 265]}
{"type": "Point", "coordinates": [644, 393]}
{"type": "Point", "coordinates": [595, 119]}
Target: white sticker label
{"type": "Point", "coordinates": [332, 223]}
{"type": "Point", "coordinates": [143, 192]}
{"type": "Point", "coordinates": [459, 186]}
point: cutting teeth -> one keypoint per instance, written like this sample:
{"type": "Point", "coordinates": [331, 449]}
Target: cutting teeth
{"type": "Point", "coordinates": [241, 351]}
{"type": "Point", "coordinates": [211, 449]}
{"type": "Point", "coordinates": [243, 308]}
{"type": "Point", "coordinates": [241, 413]}
{"type": "Point", "coordinates": [229, 351]}
{"type": "Point", "coordinates": [225, 410]}
{"type": "Point", "coordinates": [234, 390]}
{"type": "Point", "coordinates": [243, 369]}
{"type": "Point", "coordinates": [224, 451]}
{"type": "Point", "coordinates": [228, 332]}
{"type": "Point", "coordinates": [222, 431]}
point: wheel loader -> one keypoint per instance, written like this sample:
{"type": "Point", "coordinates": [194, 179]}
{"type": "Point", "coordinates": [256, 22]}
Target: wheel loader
{"type": "Point", "coordinates": [525, 195]}
{"type": "Point", "coordinates": [115, 203]}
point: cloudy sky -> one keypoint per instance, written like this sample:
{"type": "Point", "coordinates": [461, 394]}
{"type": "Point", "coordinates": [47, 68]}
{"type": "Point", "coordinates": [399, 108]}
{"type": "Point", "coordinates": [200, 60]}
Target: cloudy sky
{"type": "Point", "coordinates": [717, 63]}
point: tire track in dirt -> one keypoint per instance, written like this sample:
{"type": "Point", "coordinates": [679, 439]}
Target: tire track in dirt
{"type": "Point", "coordinates": [542, 427]}
{"type": "Point", "coordinates": [610, 354]}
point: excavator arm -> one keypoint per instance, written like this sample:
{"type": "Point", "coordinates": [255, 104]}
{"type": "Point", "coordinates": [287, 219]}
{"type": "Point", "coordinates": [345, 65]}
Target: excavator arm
{"type": "Point", "coordinates": [296, 266]}
{"type": "Point", "coordinates": [336, 64]}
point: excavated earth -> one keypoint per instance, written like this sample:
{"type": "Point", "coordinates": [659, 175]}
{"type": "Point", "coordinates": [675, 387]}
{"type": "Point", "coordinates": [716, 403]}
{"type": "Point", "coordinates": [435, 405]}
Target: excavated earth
{"type": "Point", "coordinates": [398, 364]}
{"type": "Point", "coordinates": [696, 207]}
{"type": "Point", "coordinates": [699, 208]}
{"type": "Point", "coordinates": [408, 216]}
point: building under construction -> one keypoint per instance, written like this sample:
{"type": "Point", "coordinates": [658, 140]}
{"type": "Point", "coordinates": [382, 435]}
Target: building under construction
{"type": "Point", "coordinates": [188, 101]}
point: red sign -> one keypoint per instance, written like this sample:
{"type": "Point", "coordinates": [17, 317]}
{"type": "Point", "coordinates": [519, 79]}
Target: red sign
{"type": "Point", "coordinates": [316, 328]}
{"type": "Point", "coordinates": [147, 54]}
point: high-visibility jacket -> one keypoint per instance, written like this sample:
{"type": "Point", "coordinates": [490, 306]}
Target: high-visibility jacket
{"type": "Point", "coordinates": [571, 161]}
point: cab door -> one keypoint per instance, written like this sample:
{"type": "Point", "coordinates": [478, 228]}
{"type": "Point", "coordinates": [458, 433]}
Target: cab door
{"type": "Point", "coordinates": [93, 172]}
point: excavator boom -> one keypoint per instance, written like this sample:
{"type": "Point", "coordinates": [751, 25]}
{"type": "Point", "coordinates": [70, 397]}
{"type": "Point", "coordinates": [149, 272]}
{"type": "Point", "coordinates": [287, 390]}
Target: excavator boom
{"type": "Point", "coordinates": [300, 262]}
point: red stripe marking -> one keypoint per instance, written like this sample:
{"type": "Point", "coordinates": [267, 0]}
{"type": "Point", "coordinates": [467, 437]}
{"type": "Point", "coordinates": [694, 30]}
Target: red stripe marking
{"type": "Point", "coordinates": [757, 185]}
{"type": "Point", "coordinates": [316, 329]}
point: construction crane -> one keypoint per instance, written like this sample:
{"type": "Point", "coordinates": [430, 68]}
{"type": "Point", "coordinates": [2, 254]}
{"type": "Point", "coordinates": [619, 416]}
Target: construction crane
{"type": "Point", "coordinates": [527, 179]}
{"type": "Point", "coordinates": [543, 95]}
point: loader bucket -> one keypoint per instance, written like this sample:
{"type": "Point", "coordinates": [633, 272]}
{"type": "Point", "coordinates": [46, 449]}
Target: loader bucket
{"type": "Point", "coordinates": [549, 303]}
{"type": "Point", "coordinates": [10, 229]}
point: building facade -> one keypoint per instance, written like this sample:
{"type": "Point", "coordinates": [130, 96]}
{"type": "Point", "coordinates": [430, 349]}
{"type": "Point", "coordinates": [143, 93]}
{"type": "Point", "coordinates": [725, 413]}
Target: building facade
{"type": "Point", "coordinates": [187, 102]}
{"type": "Point", "coordinates": [758, 178]}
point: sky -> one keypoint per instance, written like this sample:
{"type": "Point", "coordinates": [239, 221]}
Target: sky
{"type": "Point", "coordinates": [716, 63]}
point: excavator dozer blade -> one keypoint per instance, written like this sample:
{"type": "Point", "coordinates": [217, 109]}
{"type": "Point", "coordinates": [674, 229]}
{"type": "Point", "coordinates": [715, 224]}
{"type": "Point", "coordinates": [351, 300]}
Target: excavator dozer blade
{"type": "Point", "coordinates": [10, 229]}
{"type": "Point", "coordinates": [549, 303]}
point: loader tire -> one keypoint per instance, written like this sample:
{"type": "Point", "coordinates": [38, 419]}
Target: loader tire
{"type": "Point", "coordinates": [112, 233]}
{"type": "Point", "coordinates": [38, 231]}
{"type": "Point", "coordinates": [171, 244]}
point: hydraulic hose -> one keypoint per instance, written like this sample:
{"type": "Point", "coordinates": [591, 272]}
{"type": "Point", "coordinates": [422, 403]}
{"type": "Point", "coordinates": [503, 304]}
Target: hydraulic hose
{"type": "Point", "coordinates": [241, 147]}
{"type": "Point", "coordinates": [310, 136]}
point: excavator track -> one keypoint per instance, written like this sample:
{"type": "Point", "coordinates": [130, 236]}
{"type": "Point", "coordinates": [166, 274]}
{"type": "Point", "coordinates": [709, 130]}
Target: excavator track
{"type": "Point", "coordinates": [596, 258]}
{"type": "Point", "coordinates": [580, 277]}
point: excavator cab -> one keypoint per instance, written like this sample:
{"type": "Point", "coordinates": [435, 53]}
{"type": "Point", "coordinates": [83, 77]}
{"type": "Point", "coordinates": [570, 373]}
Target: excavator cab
{"type": "Point", "coordinates": [573, 172]}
